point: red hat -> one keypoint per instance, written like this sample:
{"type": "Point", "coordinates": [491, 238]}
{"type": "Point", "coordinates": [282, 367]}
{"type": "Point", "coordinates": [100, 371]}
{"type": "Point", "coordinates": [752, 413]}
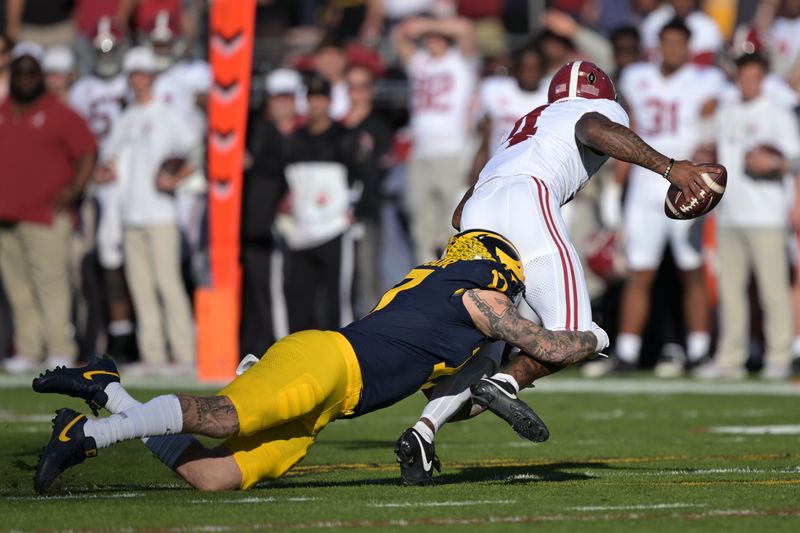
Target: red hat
{"type": "Point", "coordinates": [581, 79]}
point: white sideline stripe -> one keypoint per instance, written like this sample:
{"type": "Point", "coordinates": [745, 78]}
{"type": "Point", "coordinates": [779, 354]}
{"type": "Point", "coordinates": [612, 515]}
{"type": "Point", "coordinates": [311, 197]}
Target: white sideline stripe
{"type": "Point", "coordinates": [787, 429]}
{"type": "Point", "coordinates": [556, 384]}
{"type": "Point", "coordinates": [455, 503]}
{"type": "Point", "coordinates": [636, 507]}
{"type": "Point", "coordinates": [667, 387]}
{"type": "Point", "coordinates": [258, 499]}
{"type": "Point", "coordinates": [10, 416]}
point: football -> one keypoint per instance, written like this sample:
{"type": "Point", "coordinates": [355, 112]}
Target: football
{"type": "Point", "coordinates": [679, 208]}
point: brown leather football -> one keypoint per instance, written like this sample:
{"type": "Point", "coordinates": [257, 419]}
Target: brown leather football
{"type": "Point", "coordinates": [679, 208]}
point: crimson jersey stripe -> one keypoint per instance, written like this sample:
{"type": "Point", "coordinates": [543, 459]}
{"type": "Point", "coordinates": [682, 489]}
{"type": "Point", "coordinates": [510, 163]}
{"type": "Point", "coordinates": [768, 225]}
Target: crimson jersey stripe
{"type": "Point", "coordinates": [542, 203]}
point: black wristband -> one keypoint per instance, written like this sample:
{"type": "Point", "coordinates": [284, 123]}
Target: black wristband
{"type": "Point", "coordinates": [665, 175]}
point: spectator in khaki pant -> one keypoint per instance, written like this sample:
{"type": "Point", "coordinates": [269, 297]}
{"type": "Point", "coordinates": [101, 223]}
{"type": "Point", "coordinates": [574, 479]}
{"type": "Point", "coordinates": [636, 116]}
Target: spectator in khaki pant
{"type": "Point", "coordinates": [756, 138]}
{"type": "Point", "coordinates": [47, 154]}
{"type": "Point", "coordinates": [145, 153]}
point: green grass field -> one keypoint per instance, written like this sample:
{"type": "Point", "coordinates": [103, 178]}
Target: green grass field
{"type": "Point", "coordinates": [637, 454]}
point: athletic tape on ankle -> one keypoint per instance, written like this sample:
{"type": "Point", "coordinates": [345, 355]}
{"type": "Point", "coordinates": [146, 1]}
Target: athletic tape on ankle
{"type": "Point", "coordinates": [169, 448]}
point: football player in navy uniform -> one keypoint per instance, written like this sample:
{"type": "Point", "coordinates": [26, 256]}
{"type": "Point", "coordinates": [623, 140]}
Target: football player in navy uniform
{"type": "Point", "coordinates": [429, 325]}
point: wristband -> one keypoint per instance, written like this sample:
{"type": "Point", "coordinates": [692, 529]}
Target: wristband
{"type": "Point", "coordinates": [669, 168]}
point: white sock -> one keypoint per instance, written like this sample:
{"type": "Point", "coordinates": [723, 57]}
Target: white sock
{"type": "Point", "coordinates": [120, 327]}
{"type": "Point", "coordinates": [508, 379]}
{"type": "Point", "coordinates": [439, 410]}
{"type": "Point", "coordinates": [796, 347]}
{"type": "Point", "coordinates": [118, 398]}
{"type": "Point", "coordinates": [628, 346]}
{"type": "Point", "coordinates": [160, 416]}
{"type": "Point", "coordinates": [425, 432]}
{"type": "Point", "coordinates": [697, 343]}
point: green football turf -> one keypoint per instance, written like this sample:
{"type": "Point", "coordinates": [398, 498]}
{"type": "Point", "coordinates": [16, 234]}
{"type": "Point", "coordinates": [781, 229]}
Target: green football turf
{"type": "Point", "coordinates": [631, 453]}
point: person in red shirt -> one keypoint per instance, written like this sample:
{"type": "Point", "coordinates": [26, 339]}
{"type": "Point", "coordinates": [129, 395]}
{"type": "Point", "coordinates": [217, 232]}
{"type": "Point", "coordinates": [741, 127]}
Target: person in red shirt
{"type": "Point", "coordinates": [48, 154]}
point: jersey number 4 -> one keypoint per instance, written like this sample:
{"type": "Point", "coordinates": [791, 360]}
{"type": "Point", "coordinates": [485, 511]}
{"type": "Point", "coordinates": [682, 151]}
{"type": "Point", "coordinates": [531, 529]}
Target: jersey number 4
{"type": "Point", "coordinates": [525, 128]}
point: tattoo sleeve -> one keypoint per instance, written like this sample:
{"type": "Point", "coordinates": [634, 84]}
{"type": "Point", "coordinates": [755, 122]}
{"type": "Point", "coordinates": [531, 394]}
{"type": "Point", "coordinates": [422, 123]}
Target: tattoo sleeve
{"type": "Point", "coordinates": [619, 142]}
{"type": "Point", "coordinates": [213, 416]}
{"type": "Point", "coordinates": [501, 320]}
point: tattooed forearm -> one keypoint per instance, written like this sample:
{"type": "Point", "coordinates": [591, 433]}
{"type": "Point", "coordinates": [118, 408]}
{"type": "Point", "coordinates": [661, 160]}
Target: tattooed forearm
{"type": "Point", "coordinates": [619, 142]}
{"type": "Point", "coordinates": [213, 416]}
{"type": "Point", "coordinates": [501, 320]}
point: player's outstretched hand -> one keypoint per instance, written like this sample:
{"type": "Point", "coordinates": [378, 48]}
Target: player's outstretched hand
{"type": "Point", "coordinates": [687, 176]}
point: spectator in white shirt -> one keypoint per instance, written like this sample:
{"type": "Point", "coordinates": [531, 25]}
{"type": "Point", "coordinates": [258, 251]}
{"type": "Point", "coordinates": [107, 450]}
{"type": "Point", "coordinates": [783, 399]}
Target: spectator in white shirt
{"type": "Point", "coordinates": [755, 138]}
{"type": "Point", "coordinates": [146, 154]}
{"type": "Point", "coordinates": [442, 79]}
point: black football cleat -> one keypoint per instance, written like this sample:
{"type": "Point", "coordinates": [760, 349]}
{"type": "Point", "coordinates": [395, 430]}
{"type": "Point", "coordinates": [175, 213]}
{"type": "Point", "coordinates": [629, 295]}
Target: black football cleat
{"type": "Point", "coordinates": [87, 382]}
{"type": "Point", "coordinates": [68, 447]}
{"type": "Point", "coordinates": [417, 459]}
{"type": "Point", "coordinates": [500, 398]}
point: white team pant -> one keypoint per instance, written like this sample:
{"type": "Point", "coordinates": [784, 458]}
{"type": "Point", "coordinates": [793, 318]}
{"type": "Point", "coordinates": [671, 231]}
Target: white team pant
{"type": "Point", "coordinates": [109, 226]}
{"type": "Point", "coordinates": [647, 228]}
{"type": "Point", "coordinates": [522, 209]}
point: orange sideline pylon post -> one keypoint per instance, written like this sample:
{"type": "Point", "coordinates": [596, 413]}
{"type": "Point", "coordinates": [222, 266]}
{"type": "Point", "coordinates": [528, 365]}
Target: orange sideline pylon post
{"type": "Point", "coordinates": [231, 30]}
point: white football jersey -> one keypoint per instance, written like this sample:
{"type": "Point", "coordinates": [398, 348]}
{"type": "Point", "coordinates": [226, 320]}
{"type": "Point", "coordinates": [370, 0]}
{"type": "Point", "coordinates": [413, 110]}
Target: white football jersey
{"type": "Point", "coordinates": [502, 100]}
{"type": "Point", "coordinates": [441, 100]}
{"type": "Point", "coordinates": [784, 41]}
{"type": "Point", "coordinates": [706, 37]}
{"type": "Point", "coordinates": [100, 102]}
{"type": "Point", "coordinates": [666, 111]}
{"type": "Point", "coordinates": [542, 144]}
{"type": "Point", "coordinates": [179, 86]}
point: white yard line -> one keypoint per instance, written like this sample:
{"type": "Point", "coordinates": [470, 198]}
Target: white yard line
{"type": "Point", "coordinates": [645, 507]}
{"type": "Point", "coordinates": [257, 499]}
{"type": "Point", "coordinates": [455, 503]}
{"type": "Point", "coordinates": [97, 496]}
{"type": "Point", "coordinates": [787, 429]}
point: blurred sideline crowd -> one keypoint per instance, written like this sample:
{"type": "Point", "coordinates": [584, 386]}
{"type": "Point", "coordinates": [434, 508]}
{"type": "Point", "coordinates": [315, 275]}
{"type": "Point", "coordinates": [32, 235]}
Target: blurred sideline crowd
{"type": "Point", "coordinates": [368, 121]}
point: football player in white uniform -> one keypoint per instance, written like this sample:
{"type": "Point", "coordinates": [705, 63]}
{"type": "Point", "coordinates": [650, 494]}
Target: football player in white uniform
{"type": "Point", "coordinates": [442, 79]}
{"type": "Point", "coordinates": [548, 156]}
{"type": "Point", "coordinates": [183, 83]}
{"type": "Point", "coordinates": [668, 102]}
{"type": "Point", "coordinates": [706, 39]}
{"type": "Point", "coordinates": [503, 99]}
{"type": "Point", "coordinates": [99, 97]}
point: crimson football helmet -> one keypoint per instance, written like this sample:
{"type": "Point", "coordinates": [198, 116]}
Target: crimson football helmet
{"type": "Point", "coordinates": [581, 79]}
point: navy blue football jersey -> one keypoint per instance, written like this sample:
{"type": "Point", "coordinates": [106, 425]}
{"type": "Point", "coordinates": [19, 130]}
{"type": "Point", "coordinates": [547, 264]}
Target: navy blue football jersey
{"type": "Point", "coordinates": [419, 331]}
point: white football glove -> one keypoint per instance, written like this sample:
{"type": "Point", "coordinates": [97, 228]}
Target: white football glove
{"type": "Point", "coordinates": [602, 338]}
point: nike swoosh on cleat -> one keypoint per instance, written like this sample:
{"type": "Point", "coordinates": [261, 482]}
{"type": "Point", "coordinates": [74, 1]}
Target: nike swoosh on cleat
{"type": "Point", "coordinates": [501, 389]}
{"type": "Point", "coordinates": [63, 435]}
{"type": "Point", "coordinates": [426, 464]}
{"type": "Point", "coordinates": [89, 375]}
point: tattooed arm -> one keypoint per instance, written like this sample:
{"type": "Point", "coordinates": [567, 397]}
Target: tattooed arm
{"type": "Point", "coordinates": [213, 416]}
{"type": "Point", "coordinates": [615, 140]}
{"type": "Point", "coordinates": [497, 317]}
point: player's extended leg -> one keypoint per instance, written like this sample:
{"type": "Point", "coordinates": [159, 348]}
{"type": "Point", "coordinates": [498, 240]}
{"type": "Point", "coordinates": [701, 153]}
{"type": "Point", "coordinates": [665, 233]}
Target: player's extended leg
{"type": "Point", "coordinates": [415, 449]}
{"type": "Point", "coordinates": [98, 383]}
{"type": "Point", "coordinates": [525, 211]}
{"type": "Point", "coordinates": [555, 287]}
{"type": "Point", "coordinates": [306, 373]}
